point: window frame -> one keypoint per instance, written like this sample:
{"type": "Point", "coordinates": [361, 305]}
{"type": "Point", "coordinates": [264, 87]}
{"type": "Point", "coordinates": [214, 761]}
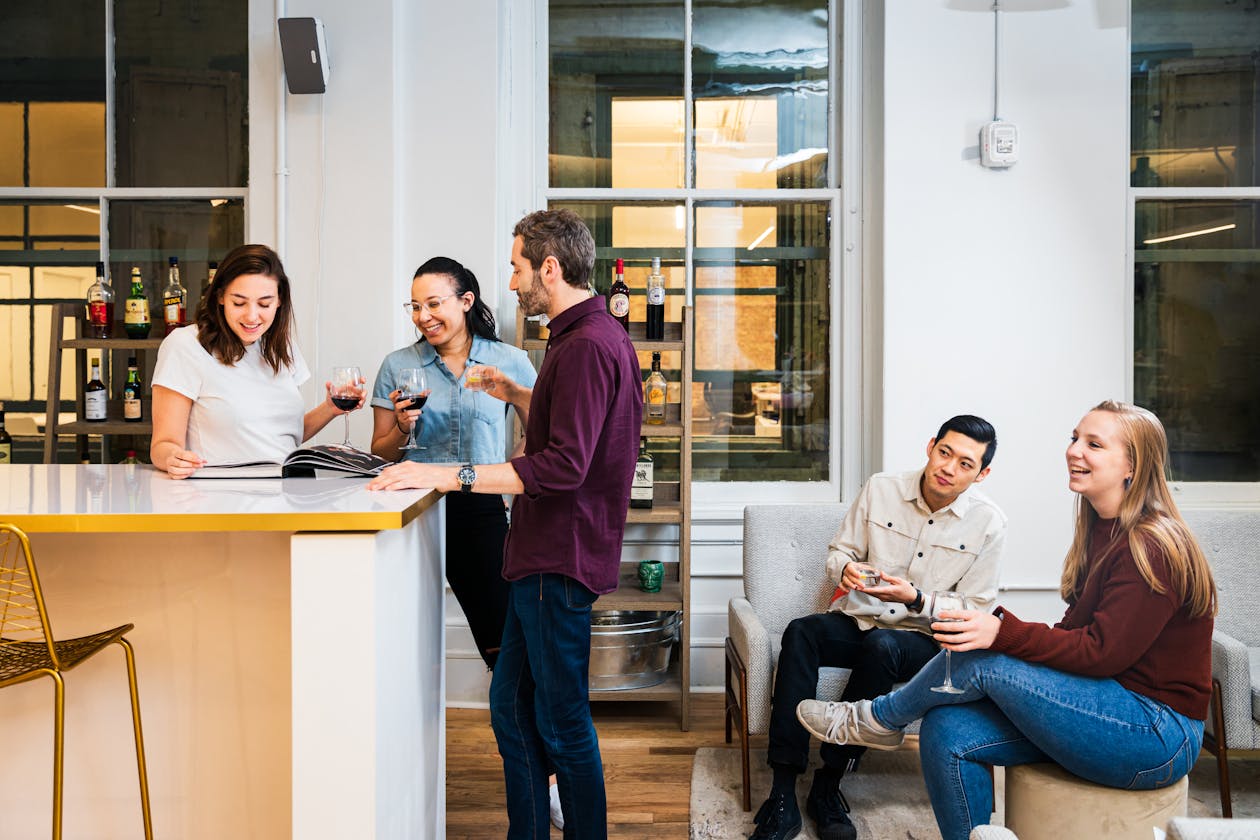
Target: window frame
{"type": "Point", "coordinates": [846, 462]}
{"type": "Point", "coordinates": [1240, 494]}
{"type": "Point", "coordinates": [102, 196]}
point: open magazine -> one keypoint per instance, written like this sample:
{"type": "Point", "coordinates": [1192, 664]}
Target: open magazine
{"type": "Point", "coordinates": [302, 463]}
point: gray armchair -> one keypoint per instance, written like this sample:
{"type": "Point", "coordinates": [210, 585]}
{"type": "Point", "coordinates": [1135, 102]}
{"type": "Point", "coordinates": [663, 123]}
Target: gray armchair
{"type": "Point", "coordinates": [785, 577]}
{"type": "Point", "coordinates": [1231, 541]}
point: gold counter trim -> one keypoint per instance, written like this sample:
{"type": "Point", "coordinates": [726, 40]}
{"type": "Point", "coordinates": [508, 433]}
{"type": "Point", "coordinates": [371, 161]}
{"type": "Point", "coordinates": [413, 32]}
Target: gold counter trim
{"type": "Point", "coordinates": [138, 523]}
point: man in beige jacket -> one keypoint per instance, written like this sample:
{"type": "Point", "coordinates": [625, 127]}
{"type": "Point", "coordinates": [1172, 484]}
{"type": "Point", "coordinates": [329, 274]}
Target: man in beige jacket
{"type": "Point", "coordinates": [906, 535]}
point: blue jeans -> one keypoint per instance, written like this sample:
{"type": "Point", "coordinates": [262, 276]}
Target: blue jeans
{"type": "Point", "coordinates": [1016, 712]}
{"type": "Point", "coordinates": [540, 709]}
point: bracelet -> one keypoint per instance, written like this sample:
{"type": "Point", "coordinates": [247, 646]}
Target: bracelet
{"type": "Point", "coordinates": [917, 604]}
{"type": "Point", "coordinates": [399, 428]}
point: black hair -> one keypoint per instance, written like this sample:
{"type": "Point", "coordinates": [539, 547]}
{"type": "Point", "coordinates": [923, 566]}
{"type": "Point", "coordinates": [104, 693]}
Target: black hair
{"type": "Point", "coordinates": [976, 428]}
{"type": "Point", "coordinates": [479, 319]}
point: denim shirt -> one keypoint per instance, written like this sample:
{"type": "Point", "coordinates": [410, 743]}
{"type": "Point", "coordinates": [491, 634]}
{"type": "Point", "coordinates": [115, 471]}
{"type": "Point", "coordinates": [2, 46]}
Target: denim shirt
{"type": "Point", "coordinates": [457, 426]}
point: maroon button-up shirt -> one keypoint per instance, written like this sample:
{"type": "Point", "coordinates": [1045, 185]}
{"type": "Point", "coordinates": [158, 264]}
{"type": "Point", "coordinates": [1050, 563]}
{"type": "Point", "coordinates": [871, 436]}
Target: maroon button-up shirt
{"type": "Point", "coordinates": [581, 444]}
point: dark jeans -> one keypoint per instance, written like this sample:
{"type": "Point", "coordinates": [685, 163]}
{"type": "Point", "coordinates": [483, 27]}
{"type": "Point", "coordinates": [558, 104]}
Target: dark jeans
{"type": "Point", "coordinates": [476, 527]}
{"type": "Point", "coordinates": [878, 658]}
{"type": "Point", "coordinates": [540, 709]}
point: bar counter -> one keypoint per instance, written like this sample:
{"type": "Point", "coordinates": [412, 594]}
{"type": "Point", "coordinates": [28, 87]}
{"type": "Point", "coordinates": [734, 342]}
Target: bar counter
{"type": "Point", "coordinates": [289, 646]}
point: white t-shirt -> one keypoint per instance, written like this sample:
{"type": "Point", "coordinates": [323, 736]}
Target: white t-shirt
{"type": "Point", "coordinates": [240, 412]}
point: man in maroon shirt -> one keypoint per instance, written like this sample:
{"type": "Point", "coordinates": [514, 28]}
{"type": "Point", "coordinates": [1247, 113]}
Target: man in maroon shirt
{"type": "Point", "coordinates": [572, 486]}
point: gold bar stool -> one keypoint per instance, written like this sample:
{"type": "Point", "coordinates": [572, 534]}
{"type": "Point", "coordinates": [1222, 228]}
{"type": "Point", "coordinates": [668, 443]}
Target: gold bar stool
{"type": "Point", "coordinates": [28, 651]}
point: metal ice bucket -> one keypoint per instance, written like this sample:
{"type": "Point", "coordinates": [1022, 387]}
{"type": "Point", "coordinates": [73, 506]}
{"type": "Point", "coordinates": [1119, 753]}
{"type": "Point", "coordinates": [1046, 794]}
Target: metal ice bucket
{"type": "Point", "coordinates": [630, 649]}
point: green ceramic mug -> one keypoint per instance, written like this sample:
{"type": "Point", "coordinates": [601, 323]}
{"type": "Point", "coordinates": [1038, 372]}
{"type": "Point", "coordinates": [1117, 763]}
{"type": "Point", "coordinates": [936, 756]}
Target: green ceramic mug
{"type": "Point", "coordinates": [651, 573]}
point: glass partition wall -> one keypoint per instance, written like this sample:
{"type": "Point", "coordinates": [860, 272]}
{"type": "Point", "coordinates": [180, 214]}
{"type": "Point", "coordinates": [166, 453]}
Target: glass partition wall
{"type": "Point", "coordinates": [705, 133]}
{"type": "Point", "coordinates": [1196, 232]}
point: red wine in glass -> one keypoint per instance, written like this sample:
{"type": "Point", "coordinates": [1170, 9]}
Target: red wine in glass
{"type": "Point", "coordinates": [345, 394]}
{"type": "Point", "coordinates": [412, 388]}
{"type": "Point", "coordinates": [345, 403]}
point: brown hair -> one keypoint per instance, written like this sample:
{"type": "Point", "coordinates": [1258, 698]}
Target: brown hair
{"type": "Point", "coordinates": [1148, 519]}
{"type": "Point", "coordinates": [561, 234]}
{"type": "Point", "coordinates": [212, 328]}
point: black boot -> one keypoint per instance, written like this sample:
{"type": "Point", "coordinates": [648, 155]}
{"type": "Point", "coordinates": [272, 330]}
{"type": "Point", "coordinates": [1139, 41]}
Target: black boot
{"type": "Point", "coordinates": [779, 818]}
{"type": "Point", "coordinates": [828, 808]}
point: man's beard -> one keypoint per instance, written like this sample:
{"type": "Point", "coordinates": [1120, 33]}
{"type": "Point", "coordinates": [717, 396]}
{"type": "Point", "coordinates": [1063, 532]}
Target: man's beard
{"type": "Point", "coordinates": [537, 300]}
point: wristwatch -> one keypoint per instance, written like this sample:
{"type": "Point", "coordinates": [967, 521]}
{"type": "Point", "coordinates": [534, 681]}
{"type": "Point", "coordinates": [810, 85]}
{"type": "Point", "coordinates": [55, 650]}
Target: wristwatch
{"type": "Point", "coordinates": [467, 477]}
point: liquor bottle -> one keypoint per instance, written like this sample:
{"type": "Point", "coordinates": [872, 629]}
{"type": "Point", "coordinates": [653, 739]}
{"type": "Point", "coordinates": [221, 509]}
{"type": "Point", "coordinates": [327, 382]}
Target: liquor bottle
{"type": "Point", "coordinates": [100, 305]}
{"type": "Point", "coordinates": [136, 318]}
{"type": "Point", "coordinates": [6, 441]}
{"type": "Point", "coordinates": [654, 390]}
{"type": "Point", "coordinates": [641, 488]}
{"type": "Point", "coordinates": [619, 297]}
{"type": "Point", "coordinates": [174, 300]}
{"type": "Point", "coordinates": [95, 397]}
{"type": "Point", "coordinates": [133, 409]}
{"type": "Point", "coordinates": [130, 458]}
{"type": "Point", "coordinates": [213, 269]}
{"type": "Point", "coordinates": [656, 302]}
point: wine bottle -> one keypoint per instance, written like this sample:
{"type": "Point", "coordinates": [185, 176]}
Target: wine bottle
{"type": "Point", "coordinates": [130, 458]}
{"type": "Point", "coordinates": [174, 300]}
{"type": "Point", "coordinates": [100, 305]}
{"type": "Point", "coordinates": [136, 318]}
{"type": "Point", "coordinates": [133, 408]}
{"type": "Point", "coordinates": [641, 488]}
{"type": "Point", "coordinates": [6, 441]}
{"type": "Point", "coordinates": [656, 302]}
{"type": "Point", "coordinates": [95, 397]}
{"type": "Point", "coordinates": [654, 391]}
{"type": "Point", "coordinates": [619, 297]}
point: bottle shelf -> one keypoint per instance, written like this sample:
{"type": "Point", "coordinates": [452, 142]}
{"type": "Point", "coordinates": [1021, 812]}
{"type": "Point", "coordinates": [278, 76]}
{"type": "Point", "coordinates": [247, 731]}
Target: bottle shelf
{"type": "Point", "coordinates": [671, 506]}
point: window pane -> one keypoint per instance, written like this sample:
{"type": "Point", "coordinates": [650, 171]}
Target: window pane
{"type": "Point", "coordinates": [763, 352]}
{"type": "Point", "coordinates": [1196, 335]}
{"type": "Point", "coordinates": [616, 93]}
{"type": "Point", "coordinates": [759, 78]}
{"type": "Point", "coordinates": [146, 234]}
{"type": "Point", "coordinates": [52, 93]}
{"type": "Point", "coordinates": [1195, 94]}
{"type": "Point", "coordinates": [182, 71]}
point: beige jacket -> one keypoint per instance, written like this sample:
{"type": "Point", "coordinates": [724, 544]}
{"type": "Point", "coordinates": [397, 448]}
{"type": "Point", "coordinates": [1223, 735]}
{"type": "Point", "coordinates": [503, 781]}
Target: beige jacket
{"type": "Point", "coordinates": [891, 528]}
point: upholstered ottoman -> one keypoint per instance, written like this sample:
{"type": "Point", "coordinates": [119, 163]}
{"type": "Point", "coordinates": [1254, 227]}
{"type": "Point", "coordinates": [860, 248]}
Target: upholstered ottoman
{"type": "Point", "coordinates": [1045, 802]}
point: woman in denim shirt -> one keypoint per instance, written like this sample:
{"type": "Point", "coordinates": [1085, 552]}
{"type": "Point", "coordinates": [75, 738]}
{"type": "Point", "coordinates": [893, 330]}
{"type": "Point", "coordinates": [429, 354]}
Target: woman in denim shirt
{"type": "Point", "coordinates": [1116, 692]}
{"type": "Point", "coordinates": [458, 425]}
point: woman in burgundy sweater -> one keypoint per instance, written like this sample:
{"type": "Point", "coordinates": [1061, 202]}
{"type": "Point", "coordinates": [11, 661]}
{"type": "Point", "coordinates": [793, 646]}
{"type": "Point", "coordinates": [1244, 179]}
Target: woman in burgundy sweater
{"type": "Point", "coordinates": [1116, 692]}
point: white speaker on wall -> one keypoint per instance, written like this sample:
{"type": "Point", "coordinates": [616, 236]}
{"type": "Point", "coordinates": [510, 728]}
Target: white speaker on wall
{"type": "Point", "coordinates": [305, 54]}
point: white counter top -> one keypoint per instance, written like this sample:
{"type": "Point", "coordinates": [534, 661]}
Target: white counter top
{"type": "Point", "coordinates": [128, 498]}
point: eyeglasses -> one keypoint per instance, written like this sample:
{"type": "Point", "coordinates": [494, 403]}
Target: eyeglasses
{"type": "Point", "coordinates": [432, 304]}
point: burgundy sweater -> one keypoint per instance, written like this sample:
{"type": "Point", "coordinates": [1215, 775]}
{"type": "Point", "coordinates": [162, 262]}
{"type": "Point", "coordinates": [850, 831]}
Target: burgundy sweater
{"type": "Point", "coordinates": [1120, 628]}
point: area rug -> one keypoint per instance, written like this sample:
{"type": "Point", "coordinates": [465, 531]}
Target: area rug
{"type": "Point", "coordinates": [887, 795]}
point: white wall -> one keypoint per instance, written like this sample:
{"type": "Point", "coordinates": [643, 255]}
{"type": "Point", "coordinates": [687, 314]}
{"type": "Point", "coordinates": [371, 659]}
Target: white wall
{"type": "Point", "coordinates": [1003, 293]}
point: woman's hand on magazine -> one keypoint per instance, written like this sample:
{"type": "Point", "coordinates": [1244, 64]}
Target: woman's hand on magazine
{"type": "Point", "coordinates": [183, 463]}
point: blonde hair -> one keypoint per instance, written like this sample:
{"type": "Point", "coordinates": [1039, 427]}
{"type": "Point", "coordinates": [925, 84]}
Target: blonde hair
{"type": "Point", "coordinates": [1148, 517]}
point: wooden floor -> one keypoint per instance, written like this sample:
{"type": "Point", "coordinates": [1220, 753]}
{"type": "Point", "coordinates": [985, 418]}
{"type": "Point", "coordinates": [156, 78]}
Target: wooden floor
{"type": "Point", "coordinates": [647, 768]}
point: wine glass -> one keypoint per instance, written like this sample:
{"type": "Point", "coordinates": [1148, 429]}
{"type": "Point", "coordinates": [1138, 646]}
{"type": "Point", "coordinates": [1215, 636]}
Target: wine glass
{"type": "Point", "coordinates": [412, 386]}
{"type": "Point", "coordinates": [947, 602]}
{"type": "Point", "coordinates": [345, 394]}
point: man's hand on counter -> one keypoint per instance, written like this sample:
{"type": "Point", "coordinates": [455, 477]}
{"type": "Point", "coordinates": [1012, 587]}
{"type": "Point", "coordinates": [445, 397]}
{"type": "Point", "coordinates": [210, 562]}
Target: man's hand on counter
{"type": "Point", "coordinates": [413, 475]}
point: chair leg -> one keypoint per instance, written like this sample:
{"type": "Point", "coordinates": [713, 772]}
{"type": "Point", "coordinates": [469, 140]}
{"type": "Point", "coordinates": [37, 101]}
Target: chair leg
{"type": "Point", "coordinates": [737, 709]}
{"type": "Point", "coordinates": [59, 747]}
{"type": "Point", "coordinates": [135, 722]}
{"type": "Point", "coordinates": [729, 695]}
{"type": "Point", "coordinates": [1216, 744]}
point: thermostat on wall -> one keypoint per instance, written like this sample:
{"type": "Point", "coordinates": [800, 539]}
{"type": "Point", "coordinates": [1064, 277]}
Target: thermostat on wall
{"type": "Point", "coordinates": [999, 144]}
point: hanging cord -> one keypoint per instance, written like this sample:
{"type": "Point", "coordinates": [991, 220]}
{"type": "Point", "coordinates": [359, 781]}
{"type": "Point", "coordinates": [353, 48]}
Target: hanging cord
{"type": "Point", "coordinates": [996, 57]}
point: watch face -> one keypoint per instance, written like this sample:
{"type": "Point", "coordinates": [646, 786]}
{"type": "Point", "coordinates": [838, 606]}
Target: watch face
{"type": "Point", "coordinates": [467, 475]}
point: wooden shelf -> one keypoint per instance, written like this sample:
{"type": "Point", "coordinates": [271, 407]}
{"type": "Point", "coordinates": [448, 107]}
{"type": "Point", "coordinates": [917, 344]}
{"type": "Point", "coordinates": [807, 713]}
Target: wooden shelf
{"type": "Point", "coordinates": [670, 689]}
{"type": "Point", "coordinates": [671, 505]}
{"type": "Point", "coordinates": [118, 343]}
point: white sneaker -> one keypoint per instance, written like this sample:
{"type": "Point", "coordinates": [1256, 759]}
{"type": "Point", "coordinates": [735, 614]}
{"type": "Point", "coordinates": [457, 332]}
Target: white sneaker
{"type": "Point", "coordinates": [847, 723]}
{"type": "Point", "coordinates": [557, 815]}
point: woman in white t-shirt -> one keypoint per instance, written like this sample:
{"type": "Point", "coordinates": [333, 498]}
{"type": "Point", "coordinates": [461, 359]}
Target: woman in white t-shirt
{"type": "Point", "coordinates": [225, 390]}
